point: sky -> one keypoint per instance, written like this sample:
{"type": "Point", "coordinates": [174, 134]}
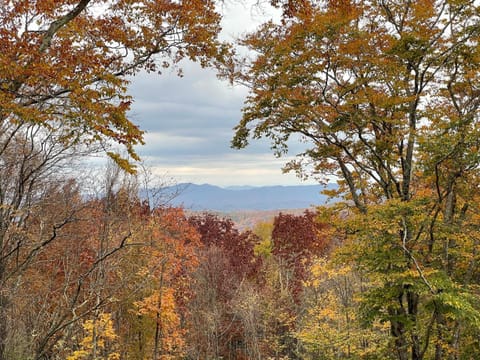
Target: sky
{"type": "Point", "coordinates": [189, 123]}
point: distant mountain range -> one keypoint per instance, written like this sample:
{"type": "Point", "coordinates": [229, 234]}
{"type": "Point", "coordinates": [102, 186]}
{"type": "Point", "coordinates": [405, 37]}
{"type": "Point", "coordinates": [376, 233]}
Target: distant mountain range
{"type": "Point", "coordinates": [209, 197]}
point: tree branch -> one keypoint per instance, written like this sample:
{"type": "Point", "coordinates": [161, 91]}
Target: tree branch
{"type": "Point", "coordinates": [59, 23]}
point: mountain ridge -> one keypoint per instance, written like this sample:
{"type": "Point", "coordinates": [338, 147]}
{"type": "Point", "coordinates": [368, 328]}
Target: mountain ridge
{"type": "Point", "coordinates": [205, 197]}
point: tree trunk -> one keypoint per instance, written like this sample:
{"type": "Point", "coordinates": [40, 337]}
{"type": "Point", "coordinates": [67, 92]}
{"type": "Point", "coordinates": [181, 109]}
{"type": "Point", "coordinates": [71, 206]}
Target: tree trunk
{"type": "Point", "coordinates": [3, 323]}
{"type": "Point", "coordinates": [397, 330]}
{"type": "Point", "coordinates": [412, 300]}
{"type": "Point", "coordinates": [158, 347]}
{"type": "Point", "coordinates": [3, 295]}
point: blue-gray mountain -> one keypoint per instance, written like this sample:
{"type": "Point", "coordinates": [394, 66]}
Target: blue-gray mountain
{"type": "Point", "coordinates": [209, 197]}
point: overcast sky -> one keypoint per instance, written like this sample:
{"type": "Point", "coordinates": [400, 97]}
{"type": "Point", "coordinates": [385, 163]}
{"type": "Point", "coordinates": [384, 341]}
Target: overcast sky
{"type": "Point", "coordinates": [189, 121]}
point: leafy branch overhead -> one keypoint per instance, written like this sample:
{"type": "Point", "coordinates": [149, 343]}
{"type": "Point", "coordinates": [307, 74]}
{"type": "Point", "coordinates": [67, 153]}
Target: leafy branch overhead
{"type": "Point", "coordinates": [67, 63]}
{"type": "Point", "coordinates": [371, 84]}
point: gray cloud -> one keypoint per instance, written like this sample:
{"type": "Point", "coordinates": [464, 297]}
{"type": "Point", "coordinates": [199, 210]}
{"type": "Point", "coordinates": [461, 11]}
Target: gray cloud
{"type": "Point", "coordinates": [189, 121]}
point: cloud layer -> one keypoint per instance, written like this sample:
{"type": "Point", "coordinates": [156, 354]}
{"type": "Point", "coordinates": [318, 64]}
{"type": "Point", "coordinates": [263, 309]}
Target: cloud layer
{"type": "Point", "coordinates": [189, 124]}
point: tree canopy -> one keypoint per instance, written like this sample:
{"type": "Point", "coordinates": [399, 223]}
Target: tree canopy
{"type": "Point", "coordinates": [65, 64]}
{"type": "Point", "coordinates": [64, 70]}
{"type": "Point", "coordinates": [386, 96]}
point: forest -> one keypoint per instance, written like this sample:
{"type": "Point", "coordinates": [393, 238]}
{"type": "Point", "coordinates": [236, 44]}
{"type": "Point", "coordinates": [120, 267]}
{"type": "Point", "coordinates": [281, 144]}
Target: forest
{"type": "Point", "coordinates": [385, 96]}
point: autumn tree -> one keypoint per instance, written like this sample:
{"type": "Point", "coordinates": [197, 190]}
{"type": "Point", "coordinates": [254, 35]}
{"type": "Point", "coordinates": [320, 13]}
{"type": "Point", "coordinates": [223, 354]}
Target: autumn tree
{"type": "Point", "coordinates": [222, 233]}
{"type": "Point", "coordinates": [98, 340]}
{"type": "Point", "coordinates": [331, 325]}
{"type": "Point", "coordinates": [64, 70]}
{"type": "Point", "coordinates": [385, 95]}
{"type": "Point", "coordinates": [65, 64]}
{"type": "Point", "coordinates": [113, 281]}
{"type": "Point", "coordinates": [68, 275]}
{"type": "Point", "coordinates": [287, 247]}
{"type": "Point", "coordinates": [227, 267]}
{"type": "Point", "coordinates": [296, 240]}
{"type": "Point", "coordinates": [152, 311]}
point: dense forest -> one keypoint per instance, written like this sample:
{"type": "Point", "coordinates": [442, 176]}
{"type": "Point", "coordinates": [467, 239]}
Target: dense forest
{"type": "Point", "coordinates": [385, 96]}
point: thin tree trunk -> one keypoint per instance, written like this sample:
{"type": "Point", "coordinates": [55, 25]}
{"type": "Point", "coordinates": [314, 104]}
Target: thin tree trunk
{"type": "Point", "coordinates": [412, 300]}
{"type": "Point", "coordinates": [397, 330]}
{"type": "Point", "coordinates": [158, 347]}
{"type": "Point", "coordinates": [3, 323]}
{"type": "Point", "coordinates": [3, 296]}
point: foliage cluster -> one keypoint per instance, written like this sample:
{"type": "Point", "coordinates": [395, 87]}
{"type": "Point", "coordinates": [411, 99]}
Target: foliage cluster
{"type": "Point", "coordinates": [386, 96]}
